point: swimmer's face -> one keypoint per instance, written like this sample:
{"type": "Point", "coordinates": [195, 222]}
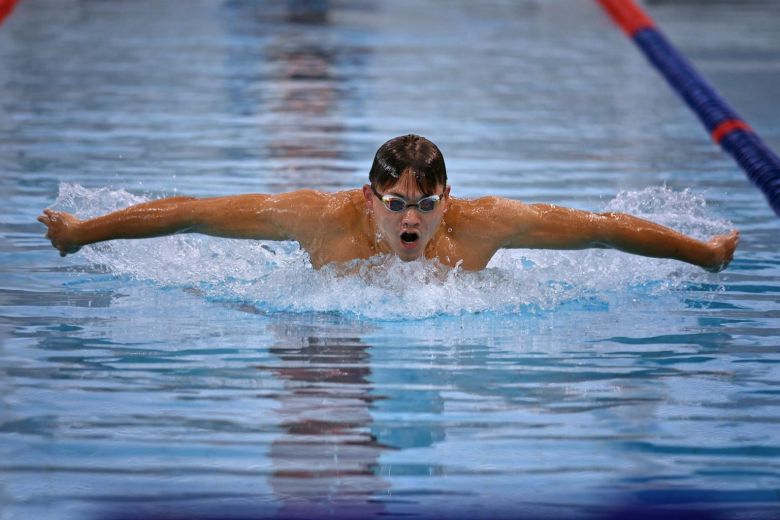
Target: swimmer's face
{"type": "Point", "coordinates": [407, 232]}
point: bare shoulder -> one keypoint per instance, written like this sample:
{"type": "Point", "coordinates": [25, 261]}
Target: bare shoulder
{"type": "Point", "coordinates": [348, 209]}
{"type": "Point", "coordinates": [485, 206]}
{"type": "Point", "coordinates": [303, 198]}
{"type": "Point", "coordinates": [313, 203]}
{"type": "Point", "coordinates": [488, 215]}
{"type": "Point", "coordinates": [323, 213]}
{"type": "Point", "coordinates": [343, 204]}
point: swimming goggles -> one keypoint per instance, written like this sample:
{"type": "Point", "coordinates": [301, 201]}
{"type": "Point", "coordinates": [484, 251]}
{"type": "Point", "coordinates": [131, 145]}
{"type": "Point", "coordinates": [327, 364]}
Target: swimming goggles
{"type": "Point", "coordinates": [398, 204]}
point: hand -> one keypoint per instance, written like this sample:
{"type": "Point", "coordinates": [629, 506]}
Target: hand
{"type": "Point", "coordinates": [723, 247]}
{"type": "Point", "coordinates": [62, 227]}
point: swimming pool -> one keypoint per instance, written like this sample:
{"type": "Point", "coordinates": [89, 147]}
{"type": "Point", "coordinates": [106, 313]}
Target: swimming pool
{"type": "Point", "coordinates": [191, 377]}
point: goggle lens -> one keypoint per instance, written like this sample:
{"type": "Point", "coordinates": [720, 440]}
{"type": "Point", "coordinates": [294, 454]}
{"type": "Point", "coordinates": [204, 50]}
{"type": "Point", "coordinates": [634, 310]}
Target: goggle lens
{"type": "Point", "coordinates": [428, 203]}
{"type": "Point", "coordinates": [396, 204]}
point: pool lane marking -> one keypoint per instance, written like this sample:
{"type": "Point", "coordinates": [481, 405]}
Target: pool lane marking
{"type": "Point", "coordinates": [759, 162]}
{"type": "Point", "coordinates": [6, 6]}
{"type": "Point", "coordinates": [728, 126]}
{"type": "Point", "coordinates": [628, 16]}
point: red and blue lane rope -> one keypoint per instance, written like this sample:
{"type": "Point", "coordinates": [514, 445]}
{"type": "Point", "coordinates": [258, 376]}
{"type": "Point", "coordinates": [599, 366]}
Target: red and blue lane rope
{"type": "Point", "coordinates": [6, 6]}
{"type": "Point", "coordinates": [726, 127]}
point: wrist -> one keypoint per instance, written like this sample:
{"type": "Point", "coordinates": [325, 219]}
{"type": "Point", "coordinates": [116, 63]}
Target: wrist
{"type": "Point", "coordinates": [79, 234]}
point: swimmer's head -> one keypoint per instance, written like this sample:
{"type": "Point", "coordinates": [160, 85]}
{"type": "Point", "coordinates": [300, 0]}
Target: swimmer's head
{"type": "Point", "coordinates": [410, 171]}
{"type": "Point", "coordinates": [408, 154]}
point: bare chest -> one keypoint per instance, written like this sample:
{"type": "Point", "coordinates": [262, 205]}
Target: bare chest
{"type": "Point", "coordinates": [328, 250]}
{"type": "Point", "coordinates": [451, 251]}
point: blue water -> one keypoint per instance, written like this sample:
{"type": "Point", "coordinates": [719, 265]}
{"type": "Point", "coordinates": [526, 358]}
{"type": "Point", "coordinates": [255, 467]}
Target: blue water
{"type": "Point", "coordinates": [195, 377]}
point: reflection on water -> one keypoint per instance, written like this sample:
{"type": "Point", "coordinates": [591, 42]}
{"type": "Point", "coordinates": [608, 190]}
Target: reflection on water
{"type": "Point", "coordinates": [326, 462]}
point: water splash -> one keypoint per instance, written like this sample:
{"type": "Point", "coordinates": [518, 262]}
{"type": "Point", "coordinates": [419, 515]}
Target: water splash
{"type": "Point", "coordinates": [278, 277]}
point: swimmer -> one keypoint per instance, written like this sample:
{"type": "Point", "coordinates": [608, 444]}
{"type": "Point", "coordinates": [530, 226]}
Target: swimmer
{"type": "Point", "coordinates": [405, 210]}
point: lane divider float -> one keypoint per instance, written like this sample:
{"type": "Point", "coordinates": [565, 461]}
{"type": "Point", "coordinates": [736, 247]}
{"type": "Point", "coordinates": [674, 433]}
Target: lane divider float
{"type": "Point", "coordinates": [6, 6]}
{"type": "Point", "coordinates": [726, 127]}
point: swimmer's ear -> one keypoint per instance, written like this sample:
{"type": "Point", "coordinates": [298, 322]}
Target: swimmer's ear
{"type": "Point", "coordinates": [446, 197]}
{"type": "Point", "coordinates": [368, 194]}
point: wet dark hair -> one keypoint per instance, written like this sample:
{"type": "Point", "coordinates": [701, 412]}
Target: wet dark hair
{"type": "Point", "coordinates": [408, 152]}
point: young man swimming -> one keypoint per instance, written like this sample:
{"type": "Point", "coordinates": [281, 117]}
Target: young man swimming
{"type": "Point", "coordinates": [405, 210]}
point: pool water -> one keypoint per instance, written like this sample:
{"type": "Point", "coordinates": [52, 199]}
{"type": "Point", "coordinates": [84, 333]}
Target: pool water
{"type": "Point", "coordinates": [195, 377]}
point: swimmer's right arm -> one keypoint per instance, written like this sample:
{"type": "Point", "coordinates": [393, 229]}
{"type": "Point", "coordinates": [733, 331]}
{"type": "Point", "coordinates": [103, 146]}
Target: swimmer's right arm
{"type": "Point", "coordinates": [263, 217]}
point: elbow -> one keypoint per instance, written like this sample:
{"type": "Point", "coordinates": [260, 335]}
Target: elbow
{"type": "Point", "coordinates": [610, 229]}
{"type": "Point", "coordinates": [187, 218]}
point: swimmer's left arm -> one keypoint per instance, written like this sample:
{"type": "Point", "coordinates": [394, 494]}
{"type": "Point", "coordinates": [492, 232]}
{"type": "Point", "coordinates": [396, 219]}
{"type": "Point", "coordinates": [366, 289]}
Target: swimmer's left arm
{"type": "Point", "coordinates": [546, 226]}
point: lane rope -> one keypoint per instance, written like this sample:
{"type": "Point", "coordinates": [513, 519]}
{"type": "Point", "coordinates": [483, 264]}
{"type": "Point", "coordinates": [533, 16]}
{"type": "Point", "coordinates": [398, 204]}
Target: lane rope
{"type": "Point", "coordinates": [6, 6]}
{"type": "Point", "coordinates": [760, 163]}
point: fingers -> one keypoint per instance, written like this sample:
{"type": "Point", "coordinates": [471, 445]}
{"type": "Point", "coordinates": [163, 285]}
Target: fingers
{"type": "Point", "coordinates": [48, 217]}
{"type": "Point", "coordinates": [51, 219]}
{"type": "Point", "coordinates": [733, 238]}
{"type": "Point", "coordinates": [47, 220]}
{"type": "Point", "coordinates": [729, 245]}
{"type": "Point", "coordinates": [733, 243]}
{"type": "Point", "coordinates": [724, 245]}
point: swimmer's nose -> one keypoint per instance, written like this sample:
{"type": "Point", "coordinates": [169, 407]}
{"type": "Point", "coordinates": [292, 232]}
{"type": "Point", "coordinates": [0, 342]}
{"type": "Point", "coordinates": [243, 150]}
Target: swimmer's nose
{"type": "Point", "coordinates": [411, 218]}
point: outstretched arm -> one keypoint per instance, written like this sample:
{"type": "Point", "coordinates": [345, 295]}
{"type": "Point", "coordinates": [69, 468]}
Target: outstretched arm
{"type": "Point", "coordinates": [552, 227]}
{"type": "Point", "coordinates": [264, 217]}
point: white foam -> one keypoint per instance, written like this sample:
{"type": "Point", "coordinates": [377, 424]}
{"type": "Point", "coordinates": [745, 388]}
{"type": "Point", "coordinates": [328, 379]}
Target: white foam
{"type": "Point", "coordinates": [278, 277]}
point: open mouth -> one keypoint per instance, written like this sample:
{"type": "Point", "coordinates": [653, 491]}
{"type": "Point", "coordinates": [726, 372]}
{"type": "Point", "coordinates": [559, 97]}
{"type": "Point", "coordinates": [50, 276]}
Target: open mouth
{"type": "Point", "coordinates": [409, 238]}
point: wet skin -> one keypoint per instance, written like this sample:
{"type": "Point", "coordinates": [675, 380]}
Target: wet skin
{"type": "Point", "coordinates": [354, 224]}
